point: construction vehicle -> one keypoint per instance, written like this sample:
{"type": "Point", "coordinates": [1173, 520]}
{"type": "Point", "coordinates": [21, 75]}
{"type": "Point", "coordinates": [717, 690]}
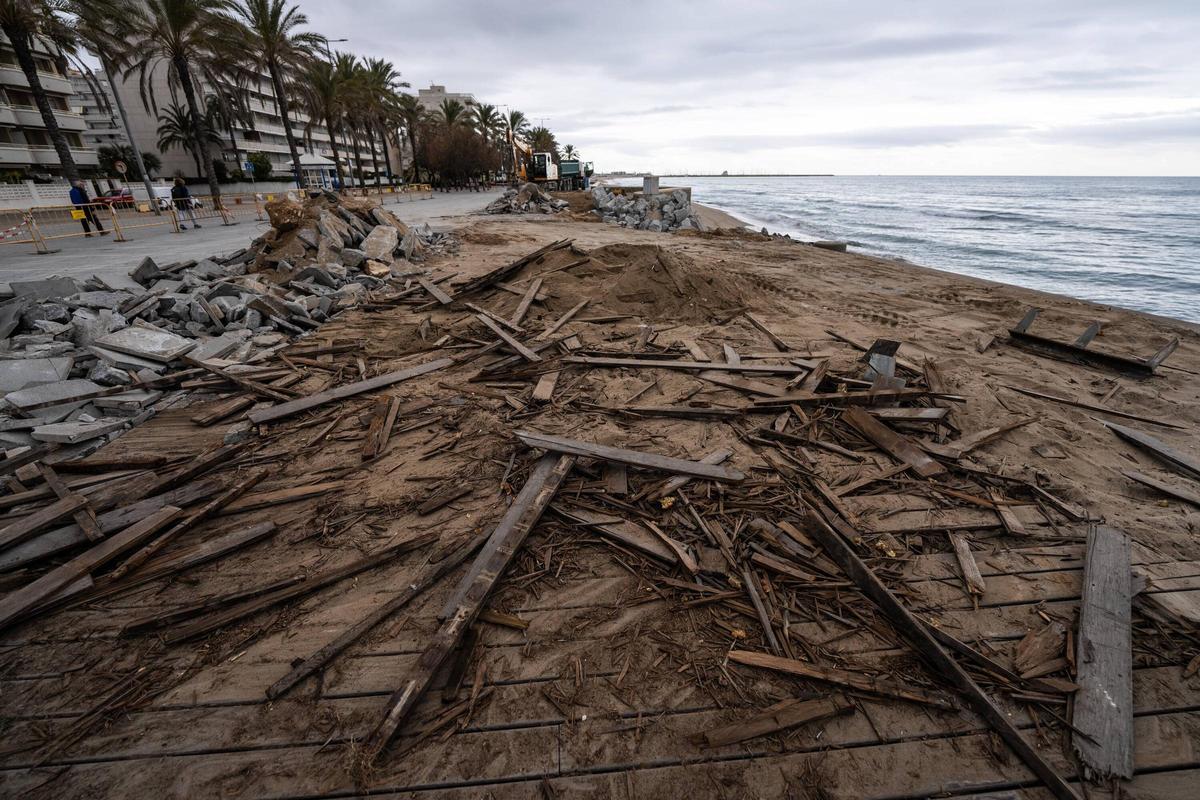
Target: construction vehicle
{"type": "Point", "coordinates": [574, 174]}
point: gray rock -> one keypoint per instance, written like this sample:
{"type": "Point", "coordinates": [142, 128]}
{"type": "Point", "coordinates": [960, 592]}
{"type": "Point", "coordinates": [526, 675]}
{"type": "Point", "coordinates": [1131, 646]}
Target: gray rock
{"type": "Point", "coordinates": [17, 374]}
{"type": "Point", "coordinates": [381, 243]}
{"type": "Point", "coordinates": [353, 257]}
{"type": "Point", "coordinates": [253, 319]}
{"type": "Point", "coordinates": [109, 300]}
{"type": "Point", "coordinates": [145, 272]}
{"type": "Point", "coordinates": [321, 276]}
{"type": "Point", "coordinates": [52, 288]}
{"type": "Point", "coordinates": [105, 373]}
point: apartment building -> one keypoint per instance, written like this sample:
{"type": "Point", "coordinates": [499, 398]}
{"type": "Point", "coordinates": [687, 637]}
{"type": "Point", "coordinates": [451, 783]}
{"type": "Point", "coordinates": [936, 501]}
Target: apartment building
{"type": "Point", "coordinates": [260, 130]}
{"type": "Point", "coordinates": [26, 151]}
{"type": "Point", "coordinates": [431, 98]}
{"type": "Point", "coordinates": [98, 110]}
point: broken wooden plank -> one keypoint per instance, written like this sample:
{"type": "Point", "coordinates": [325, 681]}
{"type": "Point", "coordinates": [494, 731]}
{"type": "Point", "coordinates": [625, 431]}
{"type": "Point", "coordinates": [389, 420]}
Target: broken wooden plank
{"type": "Point", "coordinates": [434, 290]}
{"type": "Point", "coordinates": [489, 567]}
{"type": "Point", "coordinates": [867, 398]}
{"type": "Point", "coordinates": [308, 585]}
{"type": "Point", "coordinates": [16, 604]}
{"type": "Point", "coordinates": [379, 415]}
{"type": "Point", "coordinates": [340, 392]}
{"type": "Point", "coordinates": [1081, 354]}
{"type": "Point", "coordinates": [854, 680]}
{"type": "Point", "coordinates": [544, 390]}
{"type": "Point", "coordinates": [743, 384]}
{"type": "Point", "coordinates": [1179, 493]}
{"type": "Point", "coordinates": [673, 484]}
{"type": "Point", "coordinates": [1176, 459]}
{"type": "Point", "coordinates": [85, 517]}
{"type": "Point", "coordinates": [1103, 717]}
{"type": "Point", "coordinates": [1092, 407]}
{"type": "Point", "coordinates": [622, 531]}
{"type": "Point", "coordinates": [695, 351]}
{"type": "Point", "coordinates": [26, 527]}
{"type": "Point", "coordinates": [444, 498]}
{"type": "Point", "coordinates": [434, 573]}
{"type": "Point", "coordinates": [836, 545]}
{"type": "Point", "coordinates": [779, 344]}
{"type": "Point", "coordinates": [213, 413]}
{"type": "Point", "coordinates": [749, 579]}
{"type": "Point", "coordinates": [935, 414]}
{"type": "Point", "coordinates": [520, 349]}
{"type": "Point", "coordinates": [633, 458]}
{"type": "Point", "coordinates": [966, 563]}
{"type": "Point", "coordinates": [782, 716]}
{"type": "Point", "coordinates": [965, 444]}
{"type": "Point", "coordinates": [563, 320]}
{"type": "Point", "coordinates": [502, 273]}
{"type": "Point", "coordinates": [634, 363]}
{"type": "Point", "coordinates": [1008, 518]}
{"type": "Point", "coordinates": [278, 497]}
{"type": "Point", "coordinates": [526, 302]}
{"type": "Point", "coordinates": [895, 444]}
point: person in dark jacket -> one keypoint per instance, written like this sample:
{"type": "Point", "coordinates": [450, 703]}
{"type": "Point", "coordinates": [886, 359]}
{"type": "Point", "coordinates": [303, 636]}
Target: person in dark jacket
{"type": "Point", "coordinates": [80, 199]}
{"type": "Point", "coordinates": [183, 202]}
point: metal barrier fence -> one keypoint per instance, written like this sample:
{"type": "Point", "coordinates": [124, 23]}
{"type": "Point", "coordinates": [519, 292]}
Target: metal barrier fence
{"type": "Point", "coordinates": [43, 225]}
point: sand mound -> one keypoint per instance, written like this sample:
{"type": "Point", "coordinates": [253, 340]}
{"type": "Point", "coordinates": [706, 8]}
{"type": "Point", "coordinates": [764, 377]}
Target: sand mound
{"type": "Point", "coordinates": [646, 280]}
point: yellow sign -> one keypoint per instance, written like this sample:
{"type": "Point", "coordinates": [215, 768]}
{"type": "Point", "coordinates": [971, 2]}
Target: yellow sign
{"type": "Point", "coordinates": [77, 213]}
{"type": "Point", "coordinates": [270, 197]}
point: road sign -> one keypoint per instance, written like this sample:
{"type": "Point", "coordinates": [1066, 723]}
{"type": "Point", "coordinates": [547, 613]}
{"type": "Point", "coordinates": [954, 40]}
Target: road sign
{"type": "Point", "coordinates": [247, 166]}
{"type": "Point", "coordinates": [120, 167]}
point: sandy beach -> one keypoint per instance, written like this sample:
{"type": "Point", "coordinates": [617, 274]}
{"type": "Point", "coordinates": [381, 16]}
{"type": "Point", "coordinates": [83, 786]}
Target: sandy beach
{"type": "Point", "coordinates": [616, 662]}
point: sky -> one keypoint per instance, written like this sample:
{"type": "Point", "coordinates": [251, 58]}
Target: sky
{"type": "Point", "coordinates": [928, 87]}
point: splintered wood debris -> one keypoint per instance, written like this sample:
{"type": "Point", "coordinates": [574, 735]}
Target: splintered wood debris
{"type": "Point", "coordinates": [803, 539]}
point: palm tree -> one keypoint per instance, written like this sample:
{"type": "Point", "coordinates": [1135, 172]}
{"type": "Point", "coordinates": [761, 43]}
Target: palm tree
{"type": "Point", "coordinates": [177, 129]}
{"type": "Point", "coordinates": [275, 44]}
{"type": "Point", "coordinates": [381, 84]}
{"type": "Point", "coordinates": [93, 24]}
{"type": "Point", "coordinates": [569, 151]}
{"type": "Point", "coordinates": [320, 95]}
{"type": "Point", "coordinates": [487, 121]}
{"type": "Point", "coordinates": [351, 98]}
{"type": "Point", "coordinates": [412, 114]}
{"type": "Point", "coordinates": [25, 22]}
{"type": "Point", "coordinates": [516, 123]}
{"type": "Point", "coordinates": [192, 39]}
{"type": "Point", "coordinates": [453, 112]}
{"type": "Point", "coordinates": [542, 141]}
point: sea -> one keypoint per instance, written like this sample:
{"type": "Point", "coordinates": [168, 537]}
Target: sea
{"type": "Point", "coordinates": [1129, 242]}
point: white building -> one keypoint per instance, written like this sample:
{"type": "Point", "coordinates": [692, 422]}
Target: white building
{"type": "Point", "coordinates": [431, 98]}
{"type": "Point", "coordinates": [25, 149]}
{"type": "Point", "coordinates": [99, 112]}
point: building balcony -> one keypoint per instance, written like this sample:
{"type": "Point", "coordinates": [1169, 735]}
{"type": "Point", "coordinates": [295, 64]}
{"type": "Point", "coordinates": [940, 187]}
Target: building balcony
{"type": "Point", "coordinates": [12, 155]}
{"type": "Point", "coordinates": [30, 117]}
{"type": "Point", "coordinates": [52, 83]}
{"type": "Point", "coordinates": [47, 156]}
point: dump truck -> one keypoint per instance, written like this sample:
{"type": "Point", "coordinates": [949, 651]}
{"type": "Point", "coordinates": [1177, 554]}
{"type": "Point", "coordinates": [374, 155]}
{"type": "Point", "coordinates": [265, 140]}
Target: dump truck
{"type": "Point", "coordinates": [574, 174]}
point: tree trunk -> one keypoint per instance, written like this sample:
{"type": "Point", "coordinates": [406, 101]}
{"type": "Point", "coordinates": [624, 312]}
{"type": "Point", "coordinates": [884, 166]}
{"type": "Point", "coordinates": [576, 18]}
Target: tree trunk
{"type": "Point", "coordinates": [137, 154]}
{"type": "Point", "coordinates": [20, 41]}
{"type": "Point", "coordinates": [198, 122]}
{"type": "Point", "coordinates": [196, 160]}
{"type": "Point", "coordinates": [387, 154]}
{"type": "Point", "coordinates": [371, 143]}
{"type": "Point", "coordinates": [412, 142]}
{"type": "Point", "coordinates": [281, 103]}
{"type": "Point", "coordinates": [337, 160]}
{"type": "Point", "coordinates": [362, 183]}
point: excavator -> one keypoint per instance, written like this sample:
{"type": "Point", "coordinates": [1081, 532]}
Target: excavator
{"type": "Point", "coordinates": [541, 168]}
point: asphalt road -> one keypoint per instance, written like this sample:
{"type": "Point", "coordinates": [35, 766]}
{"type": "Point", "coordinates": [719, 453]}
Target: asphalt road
{"type": "Point", "coordinates": [81, 257]}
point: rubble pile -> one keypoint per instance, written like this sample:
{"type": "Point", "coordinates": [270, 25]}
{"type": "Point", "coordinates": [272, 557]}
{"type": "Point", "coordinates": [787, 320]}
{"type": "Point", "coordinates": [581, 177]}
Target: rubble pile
{"type": "Point", "coordinates": [669, 211]}
{"type": "Point", "coordinates": [64, 338]}
{"type": "Point", "coordinates": [528, 199]}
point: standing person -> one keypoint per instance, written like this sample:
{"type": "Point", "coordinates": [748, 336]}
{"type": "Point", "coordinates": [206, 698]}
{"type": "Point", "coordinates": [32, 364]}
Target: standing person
{"type": "Point", "coordinates": [80, 199]}
{"type": "Point", "coordinates": [183, 202]}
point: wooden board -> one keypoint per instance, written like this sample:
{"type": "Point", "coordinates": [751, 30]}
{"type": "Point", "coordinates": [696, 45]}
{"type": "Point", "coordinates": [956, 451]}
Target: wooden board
{"type": "Point", "coordinates": [1178, 492]}
{"type": "Point", "coordinates": [634, 458]}
{"type": "Point", "coordinates": [897, 445]}
{"type": "Point", "coordinates": [693, 366]}
{"type": "Point", "coordinates": [1104, 659]}
{"type": "Point", "coordinates": [1179, 461]}
{"type": "Point", "coordinates": [520, 349]}
{"type": "Point", "coordinates": [349, 390]}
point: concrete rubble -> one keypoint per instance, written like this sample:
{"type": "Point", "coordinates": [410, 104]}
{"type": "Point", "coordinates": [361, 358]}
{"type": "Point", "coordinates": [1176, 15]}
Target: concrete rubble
{"type": "Point", "coordinates": [61, 337]}
{"type": "Point", "coordinates": [529, 198]}
{"type": "Point", "coordinates": [665, 211]}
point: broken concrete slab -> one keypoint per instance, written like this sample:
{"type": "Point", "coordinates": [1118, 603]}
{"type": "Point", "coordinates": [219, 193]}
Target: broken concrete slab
{"type": "Point", "coordinates": [109, 300]}
{"type": "Point", "coordinates": [217, 346]}
{"type": "Point", "coordinates": [381, 243]}
{"type": "Point", "coordinates": [10, 314]}
{"type": "Point", "coordinates": [24, 372]}
{"type": "Point", "coordinates": [124, 360]}
{"type": "Point", "coordinates": [50, 392]}
{"type": "Point", "coordinates": [146, 271]}
{"type": "Point", "coordinates": [51, 288]}
{"type": "Point", "coordinates": [134, 400]}
{"type": "Point", "coordinates": [75, 432]}
{"type": "Point", "coordinates": [147, 342]}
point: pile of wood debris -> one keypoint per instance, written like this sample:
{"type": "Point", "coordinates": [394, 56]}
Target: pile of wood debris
{"type": "Point", "coordinates": [785, 548]}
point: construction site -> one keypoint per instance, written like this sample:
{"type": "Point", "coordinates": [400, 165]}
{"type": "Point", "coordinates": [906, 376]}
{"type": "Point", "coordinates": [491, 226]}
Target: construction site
{"type": "Point", "coordinates": [553, 503]}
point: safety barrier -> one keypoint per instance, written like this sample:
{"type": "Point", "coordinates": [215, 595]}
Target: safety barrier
{"type": "Point", "coordinates": [43, 224]}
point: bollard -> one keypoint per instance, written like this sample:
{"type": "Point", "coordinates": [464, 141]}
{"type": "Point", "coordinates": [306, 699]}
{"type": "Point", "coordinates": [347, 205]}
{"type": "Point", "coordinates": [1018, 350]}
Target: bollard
{"type": "Point", "coordinates": [118, 236]}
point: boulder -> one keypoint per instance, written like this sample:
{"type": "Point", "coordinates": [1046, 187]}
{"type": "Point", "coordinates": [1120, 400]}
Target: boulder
{"type": "Point", "coordinates": [381, 243]}
{"type": "Point", "coordinates": [353, 257]}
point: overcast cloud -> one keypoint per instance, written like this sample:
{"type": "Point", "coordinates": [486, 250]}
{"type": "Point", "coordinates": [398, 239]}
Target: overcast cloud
{"type": "Point", "coordinates": [913, 87]}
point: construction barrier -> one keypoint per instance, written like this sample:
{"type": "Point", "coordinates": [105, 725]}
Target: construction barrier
{"type": "Point", "coordinates": [43, 224]}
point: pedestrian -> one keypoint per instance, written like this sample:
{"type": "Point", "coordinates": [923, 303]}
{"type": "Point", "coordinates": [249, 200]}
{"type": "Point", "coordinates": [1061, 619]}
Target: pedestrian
{"type": "Point", "coordinates": [183, 202]}
{"type": "Point", "coordinates": [80, 199]}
